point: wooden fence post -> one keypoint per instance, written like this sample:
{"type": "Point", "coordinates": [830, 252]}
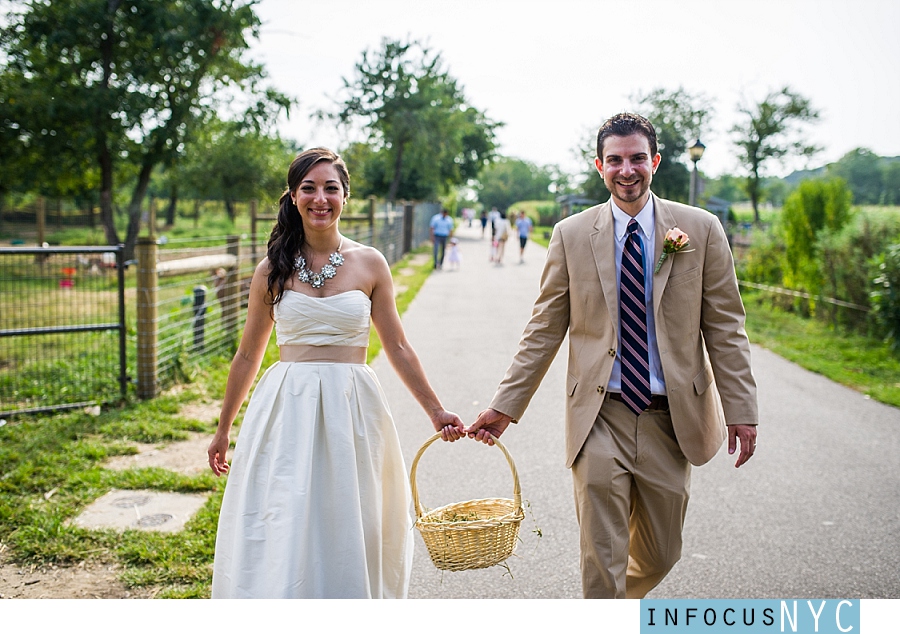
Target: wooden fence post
{"type": "Point", "coordinates": [146, 250]}
{"type": "Point", "coordinates": [232, 305]}
{"type": "Point", "coordinates": [407, 227]}
{"type": "Point", "coordinates": [151, 217]}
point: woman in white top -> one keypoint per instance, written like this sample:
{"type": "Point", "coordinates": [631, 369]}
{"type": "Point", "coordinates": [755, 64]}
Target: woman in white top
{"type": "Point", "coordinates": [501, 234]}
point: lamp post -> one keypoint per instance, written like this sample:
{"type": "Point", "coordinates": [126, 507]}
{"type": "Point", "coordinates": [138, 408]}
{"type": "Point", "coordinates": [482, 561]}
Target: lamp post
{"type": "Point", "coordinates": [695, 150]}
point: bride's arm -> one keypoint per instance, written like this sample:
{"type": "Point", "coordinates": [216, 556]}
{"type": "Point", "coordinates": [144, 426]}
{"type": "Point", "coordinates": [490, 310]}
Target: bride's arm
{"type": "Point", "coordinates": [402, 356]}
{"type": "Point", "coordinates": [244, 366]}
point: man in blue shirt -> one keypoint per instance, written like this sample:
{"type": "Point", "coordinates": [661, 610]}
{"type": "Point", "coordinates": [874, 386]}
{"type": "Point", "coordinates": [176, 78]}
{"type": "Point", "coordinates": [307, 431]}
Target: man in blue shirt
{"type": "Point", "coordinates": [441, 228]}
{"type": "Point", "coordinates": [524, 227]}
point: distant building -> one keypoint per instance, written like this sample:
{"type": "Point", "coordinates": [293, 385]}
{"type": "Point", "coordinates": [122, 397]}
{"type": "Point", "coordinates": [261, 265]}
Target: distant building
{"type": "Point", "coordinates": [571, 204]}
{"type": "Point", "coordinates": [720, 207]}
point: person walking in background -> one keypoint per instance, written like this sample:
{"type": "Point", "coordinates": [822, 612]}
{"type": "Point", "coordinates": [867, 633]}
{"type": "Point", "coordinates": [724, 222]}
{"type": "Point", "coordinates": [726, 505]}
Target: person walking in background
{"type": "Point", "coordinates": [317, 500]}
{"type": "Point", "coordinates": [440, 228]}
{"type": "Point", "coordinates": [501, 235]}
{"type": "Point", "coordinates": [659, 363]}
{"type": "Point", "coordinates": [484, 221]}
{"type": "Point", "coordinates": [524, 227]}
{"type": "Point", "coordinates": [493, 219]}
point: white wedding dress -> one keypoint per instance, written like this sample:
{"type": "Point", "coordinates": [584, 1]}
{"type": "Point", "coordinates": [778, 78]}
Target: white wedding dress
{"type": "Point", "coordinates": [317, 503]}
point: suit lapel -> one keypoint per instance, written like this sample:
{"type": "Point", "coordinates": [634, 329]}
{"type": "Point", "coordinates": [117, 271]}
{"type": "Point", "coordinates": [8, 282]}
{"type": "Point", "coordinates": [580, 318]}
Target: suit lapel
{"type": "Point", "coordinates": [663, 222]}
{"type": "Point", "coordinates": [604, 251]}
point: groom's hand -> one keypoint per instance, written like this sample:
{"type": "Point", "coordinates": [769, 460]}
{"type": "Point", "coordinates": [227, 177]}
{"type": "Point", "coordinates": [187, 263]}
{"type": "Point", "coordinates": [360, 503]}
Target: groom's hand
{"type": "Point", "coordinates": [490, 424]}
{"type": "Point", "coordinates": [747, 436]}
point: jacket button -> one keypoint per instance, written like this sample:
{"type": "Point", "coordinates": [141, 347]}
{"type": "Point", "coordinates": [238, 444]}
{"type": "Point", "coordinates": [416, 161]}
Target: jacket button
{"type": "Point", "coordinates": [612, 352]}
{"type": "Point", "coordinates": [600, 389]}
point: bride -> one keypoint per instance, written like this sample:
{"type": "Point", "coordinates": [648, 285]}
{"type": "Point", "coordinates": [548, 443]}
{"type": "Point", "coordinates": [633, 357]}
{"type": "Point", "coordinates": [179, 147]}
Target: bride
{"type": "Point", "coordinates": [317, 500]}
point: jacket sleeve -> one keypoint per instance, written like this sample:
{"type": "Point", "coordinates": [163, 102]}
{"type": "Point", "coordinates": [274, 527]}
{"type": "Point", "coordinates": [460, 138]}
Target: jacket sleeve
{"type": "Point", "coordinates": [722, 320]}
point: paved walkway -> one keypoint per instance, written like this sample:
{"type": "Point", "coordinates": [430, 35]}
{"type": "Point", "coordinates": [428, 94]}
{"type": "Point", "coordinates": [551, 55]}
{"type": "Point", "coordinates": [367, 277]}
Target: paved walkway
{"type": "Point", "coordinates": [465, 325]}
{"type": "Point", "coordinates": [816, 513]}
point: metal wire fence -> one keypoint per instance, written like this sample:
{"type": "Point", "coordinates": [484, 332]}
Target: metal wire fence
{"type": "Point", "coordinates": [62, 328]}
{"type": "Point", "coordinates": [192, 294]}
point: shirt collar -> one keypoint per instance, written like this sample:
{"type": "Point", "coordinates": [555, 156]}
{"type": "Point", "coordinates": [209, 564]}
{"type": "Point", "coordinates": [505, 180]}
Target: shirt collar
{"type": "Point", "coordinates": [621, 219]}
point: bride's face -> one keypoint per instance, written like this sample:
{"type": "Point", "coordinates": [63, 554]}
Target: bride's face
{"type": "Point", "coordinates": [320, 197]}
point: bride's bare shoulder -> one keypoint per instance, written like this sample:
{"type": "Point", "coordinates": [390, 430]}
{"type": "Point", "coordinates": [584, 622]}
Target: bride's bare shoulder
{"type": "Point", "coordinates": [364, 254]}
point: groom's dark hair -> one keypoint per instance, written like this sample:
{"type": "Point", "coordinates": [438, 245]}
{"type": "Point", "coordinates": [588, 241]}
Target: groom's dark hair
{"type": "Point", "coordinates": [626, 124]}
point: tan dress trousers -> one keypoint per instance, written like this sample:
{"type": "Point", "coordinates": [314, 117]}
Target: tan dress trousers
{"type": "Point", "coordinates": [632, 485]}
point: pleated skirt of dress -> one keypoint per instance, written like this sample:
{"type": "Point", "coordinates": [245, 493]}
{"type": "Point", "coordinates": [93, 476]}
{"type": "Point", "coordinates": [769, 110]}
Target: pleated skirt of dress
{"type": "Point", "coordinates": [317, 503]}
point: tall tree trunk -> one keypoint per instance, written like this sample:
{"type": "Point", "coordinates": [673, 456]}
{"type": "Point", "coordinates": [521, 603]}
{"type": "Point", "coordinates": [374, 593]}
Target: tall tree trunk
{"type": "Point", "coordinates": [173, 203]}
{"type": "Point", "coordinates": [134, 207]}
{"type": "Point", "coordinates": [753, 191]}
{"type": "Point", "coordinates": [398, 166]}
{"type": "Point", "coordinates": [105, 155]}
{"type": "Point", "coordinates": [106, 187]}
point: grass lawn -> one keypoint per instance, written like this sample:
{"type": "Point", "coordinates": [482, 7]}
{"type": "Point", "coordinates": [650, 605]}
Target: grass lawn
{"type": "Point", "coordinates": [862, 363]}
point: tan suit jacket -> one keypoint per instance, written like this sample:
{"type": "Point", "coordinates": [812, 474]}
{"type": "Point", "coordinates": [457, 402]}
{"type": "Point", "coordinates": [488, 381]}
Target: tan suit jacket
{"type": "Point", "coordinates": [703, 346]}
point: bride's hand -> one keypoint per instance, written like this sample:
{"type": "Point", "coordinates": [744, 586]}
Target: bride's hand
{"type": "Point", "coordinates": [217, 452]}
{"type": "Point", "coordinates": [450, 426]}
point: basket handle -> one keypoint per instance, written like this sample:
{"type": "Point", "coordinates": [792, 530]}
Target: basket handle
{"type": "Point", "coordinates": [517, 490]}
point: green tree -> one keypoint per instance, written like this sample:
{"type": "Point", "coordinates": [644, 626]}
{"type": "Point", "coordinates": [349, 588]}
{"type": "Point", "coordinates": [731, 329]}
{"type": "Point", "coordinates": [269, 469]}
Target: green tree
{"type": "Point", "coordinates": [232, 162]}
{"type": "Point", "coordinates": [679, 117]}
{"type": "Point", "coordinates": [890, 176]}
{"type": "Point", "coordinates": [425, 138]}
{"type": "Point", "coordinates": [510, 180]}
{"type": "Point", "coordinates": [591, 184]}
{"type": "Point", "coordinates": [862, 170]}
{"type": "Point", "coordinates": [775, 191]}
{"type": "Point", "coordinates": [816, 207]}
{"type": "Point", "coordinates": [771, 130]}
{"type": "Point", "coordinates": [123, 81]}
{"type": "Point", "coordinates": [726, 187]}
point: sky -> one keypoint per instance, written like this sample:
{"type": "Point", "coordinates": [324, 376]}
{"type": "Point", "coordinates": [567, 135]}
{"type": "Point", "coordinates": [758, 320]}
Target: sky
{"type": "Point", "coordinates": [553, 71]}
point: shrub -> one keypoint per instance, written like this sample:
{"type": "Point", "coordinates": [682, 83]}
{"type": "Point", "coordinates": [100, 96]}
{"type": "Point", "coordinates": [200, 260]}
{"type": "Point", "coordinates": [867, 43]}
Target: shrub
{"type": "Point", "coordinates": [846, 261]}
{"type": "Point", "coordinates": [548, 215]}
{"type": "Point", "coordinates": [762, 261]}
{"type": "Point", "coordinates": [886, 296]}
{"type": "Point", "coordinates": [814, 207]}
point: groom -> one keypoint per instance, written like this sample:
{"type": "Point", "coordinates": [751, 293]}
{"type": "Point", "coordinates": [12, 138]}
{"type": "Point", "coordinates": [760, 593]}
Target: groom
{"type": "Point", "coordinates": [659, 363]}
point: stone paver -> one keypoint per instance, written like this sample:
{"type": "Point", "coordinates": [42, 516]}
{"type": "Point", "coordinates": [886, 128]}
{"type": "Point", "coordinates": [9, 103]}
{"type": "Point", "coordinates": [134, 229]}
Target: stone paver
{"type": "Point", "coordinates": [187, 456]}
{"type": "Point", "coordinates": [141, 510]}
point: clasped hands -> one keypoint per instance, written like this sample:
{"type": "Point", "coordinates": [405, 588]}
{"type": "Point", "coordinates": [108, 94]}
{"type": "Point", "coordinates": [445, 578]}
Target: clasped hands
{"type": "Point", "coordinates": [489, 425]}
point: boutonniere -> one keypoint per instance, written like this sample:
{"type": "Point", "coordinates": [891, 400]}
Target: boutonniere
{"type": "Point", "coordinates": [676, 241]}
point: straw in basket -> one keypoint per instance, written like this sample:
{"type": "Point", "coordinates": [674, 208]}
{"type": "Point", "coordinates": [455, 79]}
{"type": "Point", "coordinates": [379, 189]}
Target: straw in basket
{"type": "Point", "coordinates": [473, 534]}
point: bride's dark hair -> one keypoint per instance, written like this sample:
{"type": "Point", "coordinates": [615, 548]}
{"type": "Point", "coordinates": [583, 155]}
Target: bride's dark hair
{"type": "Point", "coordinates": [287, 236]}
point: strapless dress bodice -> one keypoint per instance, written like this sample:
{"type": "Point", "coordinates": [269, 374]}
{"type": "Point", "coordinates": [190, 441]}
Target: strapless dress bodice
{"type": "Point", "coordinates": [337, 320]}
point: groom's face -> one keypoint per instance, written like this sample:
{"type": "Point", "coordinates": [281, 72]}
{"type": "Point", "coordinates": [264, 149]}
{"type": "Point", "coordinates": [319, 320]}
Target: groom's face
{"type": "Point", "coordinates": [627, 168]}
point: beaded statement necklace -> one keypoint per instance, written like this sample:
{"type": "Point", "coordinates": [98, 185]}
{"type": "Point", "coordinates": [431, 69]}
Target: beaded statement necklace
{"type": "Point", "coordinates": [317, 280]}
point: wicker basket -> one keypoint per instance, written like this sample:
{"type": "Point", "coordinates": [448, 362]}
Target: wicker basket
{"type": "Point", "coordinates": [473, 534]}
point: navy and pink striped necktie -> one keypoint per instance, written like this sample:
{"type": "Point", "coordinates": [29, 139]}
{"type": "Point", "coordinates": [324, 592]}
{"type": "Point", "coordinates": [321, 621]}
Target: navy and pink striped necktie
{"type": "Point", "coordinates": [635, 353]}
